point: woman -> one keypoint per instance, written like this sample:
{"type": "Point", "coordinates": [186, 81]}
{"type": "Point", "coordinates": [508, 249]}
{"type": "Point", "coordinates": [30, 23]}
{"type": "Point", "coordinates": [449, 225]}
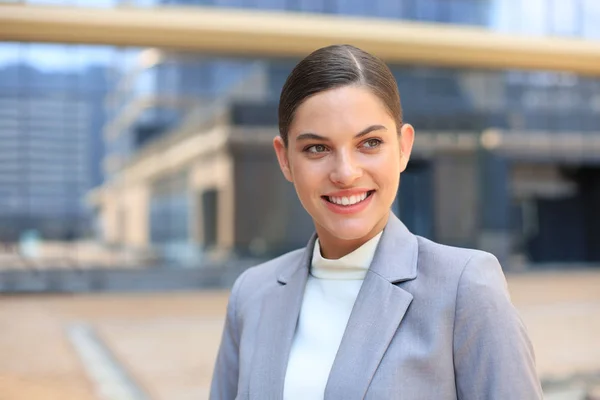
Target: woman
{"type": "Point", "coordinates": [367, 310]}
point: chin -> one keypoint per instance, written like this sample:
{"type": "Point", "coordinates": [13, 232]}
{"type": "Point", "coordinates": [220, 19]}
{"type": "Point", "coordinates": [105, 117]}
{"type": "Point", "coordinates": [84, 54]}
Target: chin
{"type": "Point", "coordinates": [350, 229]}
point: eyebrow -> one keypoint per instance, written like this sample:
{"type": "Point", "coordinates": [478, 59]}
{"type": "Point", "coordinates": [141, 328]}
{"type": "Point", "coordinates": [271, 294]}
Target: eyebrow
{"type": "Point", "coordinates": [314, 136]}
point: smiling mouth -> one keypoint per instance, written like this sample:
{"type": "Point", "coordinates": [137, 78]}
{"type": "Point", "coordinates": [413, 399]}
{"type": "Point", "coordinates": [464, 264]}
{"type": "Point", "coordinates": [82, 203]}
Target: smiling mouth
{"type": "Point", "coordinates": [348, 200]}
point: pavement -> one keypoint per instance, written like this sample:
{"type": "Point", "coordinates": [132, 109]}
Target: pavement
{"type": "Point", "coordinates": [162, 346]}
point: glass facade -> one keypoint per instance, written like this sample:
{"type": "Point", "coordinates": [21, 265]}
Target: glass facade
{"type": "Point", "coordinates": [51, 117]}
{"type": "Point", "coordinates": [434, 98]}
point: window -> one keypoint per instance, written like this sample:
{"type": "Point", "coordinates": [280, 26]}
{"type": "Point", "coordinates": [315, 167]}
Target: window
{"type": "Point", "coordinates": [389, 9]}
{"type": "Point", "coordinates": [532, 16]}
{"type": "Point", "coordinates": [311, 6]}
{"type": "Point", "coordinates": [169, 210]}
{"type": "Point", "coordinates": [590, 15]}
{"type": "Point", "coordinates": [210, 217]}
{"type": "Point", "coordinates": [169, 218]}
{"type": "Point", "coordinates": [263, 4]}
{"type": "Point", "coordinates": [10, 113]}
{"type": "Point", "coordinates": [565, 18]}
{"type": "Point", "coordinates": [351, 7]}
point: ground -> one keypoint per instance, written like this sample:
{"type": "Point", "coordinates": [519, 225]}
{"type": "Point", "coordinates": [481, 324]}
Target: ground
{"type": "Point", "coordinates": [164, 345]}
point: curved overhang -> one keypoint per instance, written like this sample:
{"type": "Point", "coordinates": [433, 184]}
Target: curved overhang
{"type": "Point", "coordinates": [260, 33]}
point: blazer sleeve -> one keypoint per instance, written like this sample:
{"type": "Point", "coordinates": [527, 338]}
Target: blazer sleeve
{"type": "Point", "coordinates": [224, 384]}
{"type": "Point", "coordinates": [493, 356]}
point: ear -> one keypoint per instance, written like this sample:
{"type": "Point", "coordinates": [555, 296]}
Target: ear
{"type": "Point", "coordinates": [407, 139]}
{"type": "Point", "coordinates": [282, 157]}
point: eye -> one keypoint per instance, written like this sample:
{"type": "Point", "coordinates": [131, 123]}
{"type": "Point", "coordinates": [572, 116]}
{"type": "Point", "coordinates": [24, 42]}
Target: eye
{"type": "Point", "coordinates": [316, 148]}
{"type": "Point", "coordinates": [372, 143]}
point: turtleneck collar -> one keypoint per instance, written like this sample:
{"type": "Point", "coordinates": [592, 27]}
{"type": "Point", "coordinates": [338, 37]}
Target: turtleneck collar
{"type": "Point", "coordinates": [352, 266]}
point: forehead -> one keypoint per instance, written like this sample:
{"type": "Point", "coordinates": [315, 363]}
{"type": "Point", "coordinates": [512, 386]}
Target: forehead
{"type": "Point", "coordinates": [342, 111]}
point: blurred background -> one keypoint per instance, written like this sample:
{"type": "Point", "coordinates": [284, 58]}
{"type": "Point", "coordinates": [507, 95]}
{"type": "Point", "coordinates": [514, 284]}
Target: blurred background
{"type": "Point", "coordinates": [137, 177]}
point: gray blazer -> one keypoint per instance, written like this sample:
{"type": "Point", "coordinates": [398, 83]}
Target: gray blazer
{"type": "Point", "coordinates": [430, 322]}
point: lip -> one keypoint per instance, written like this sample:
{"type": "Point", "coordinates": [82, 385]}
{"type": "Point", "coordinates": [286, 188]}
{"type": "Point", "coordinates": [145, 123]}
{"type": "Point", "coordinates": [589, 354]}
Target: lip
{"type": "Point", "coordinates": [353, 209]}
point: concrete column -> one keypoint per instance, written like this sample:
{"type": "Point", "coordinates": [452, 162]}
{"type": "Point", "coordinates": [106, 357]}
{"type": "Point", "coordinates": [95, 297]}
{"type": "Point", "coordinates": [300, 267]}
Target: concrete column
{"type": "Point", "coordinates": [109, 216]}
{"type": "Point", "coordinates": [136, 215]}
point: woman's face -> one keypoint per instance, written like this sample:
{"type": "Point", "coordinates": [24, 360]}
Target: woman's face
{"type": "Point", "coordinates": [344, 157]}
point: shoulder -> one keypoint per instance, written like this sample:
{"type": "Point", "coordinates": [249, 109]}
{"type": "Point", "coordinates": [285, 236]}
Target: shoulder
{"type": "Point", "coordinates": [254, 281]}
{"type": "Point", "coordinates": [457, 262]}
{"type": "Point", "coordinates": [464, 275]}
{"type": "Point", "coordinates": [471, 281]}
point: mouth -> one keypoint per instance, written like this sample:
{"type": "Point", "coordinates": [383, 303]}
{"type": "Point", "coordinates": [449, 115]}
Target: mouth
{"type": "Point", "coordinates": [348, 201]}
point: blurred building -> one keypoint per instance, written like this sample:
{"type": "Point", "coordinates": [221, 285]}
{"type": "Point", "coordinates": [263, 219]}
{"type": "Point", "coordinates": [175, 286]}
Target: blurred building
{"type": "Point", "coordinates": [506, 158]}
{"type": "Point", "coordinates": [49, 150]}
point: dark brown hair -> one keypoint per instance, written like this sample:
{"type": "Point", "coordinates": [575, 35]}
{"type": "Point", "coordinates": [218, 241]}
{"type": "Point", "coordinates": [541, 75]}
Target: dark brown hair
{"type": "Point", "coordinates": [332, 67]}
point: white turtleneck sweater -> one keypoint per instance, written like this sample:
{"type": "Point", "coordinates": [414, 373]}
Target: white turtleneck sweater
{"type": "Point", "coordinates": [329, 296]}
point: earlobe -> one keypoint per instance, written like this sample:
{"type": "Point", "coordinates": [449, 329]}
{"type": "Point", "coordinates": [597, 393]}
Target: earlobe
{"type": "Point", "coordinates": [282, 157]}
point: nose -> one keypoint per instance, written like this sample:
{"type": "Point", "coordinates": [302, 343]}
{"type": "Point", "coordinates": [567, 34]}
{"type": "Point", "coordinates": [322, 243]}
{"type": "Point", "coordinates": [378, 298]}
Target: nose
{"type": "Point", "coordinates": [346, 170]}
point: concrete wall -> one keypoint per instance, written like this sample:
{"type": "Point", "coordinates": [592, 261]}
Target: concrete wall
{"type": "Point", "coordinates": [456, 203]}
{"type": "Point", "coordinates": [269, 217]}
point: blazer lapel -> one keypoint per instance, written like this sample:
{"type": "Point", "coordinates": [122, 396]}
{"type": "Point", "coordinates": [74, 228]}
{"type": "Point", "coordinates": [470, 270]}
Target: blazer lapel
{"type": "Point", "coordinates": [279, 317]}
{"type": "Point", "coordinates": [377, 313]}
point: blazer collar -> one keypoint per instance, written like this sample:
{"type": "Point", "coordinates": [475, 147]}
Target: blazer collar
{"type": "Point", "coordinates": [395, 258]}
{"type": "Point", "coordinates": [379, 309]}
{"type": "Point", "coordinates": [280, 309]}
{"type": "Point", "coordinates": [396, 255]}
{"type": "Point", "coordinates": [287, 271]}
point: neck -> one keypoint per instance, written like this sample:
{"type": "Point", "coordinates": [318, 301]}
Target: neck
{"type": "Point", "coordinates": [333, 247]}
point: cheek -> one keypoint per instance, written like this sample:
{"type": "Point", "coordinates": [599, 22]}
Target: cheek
{"type": "Point", "coordinates": [308, 177]}
{"type": "Point", "coordinates": [385, 169]}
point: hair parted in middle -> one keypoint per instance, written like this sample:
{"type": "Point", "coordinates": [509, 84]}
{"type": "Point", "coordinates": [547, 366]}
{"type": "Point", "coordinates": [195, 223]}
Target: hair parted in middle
{"type": "Point", "coordinates": [332, 67]}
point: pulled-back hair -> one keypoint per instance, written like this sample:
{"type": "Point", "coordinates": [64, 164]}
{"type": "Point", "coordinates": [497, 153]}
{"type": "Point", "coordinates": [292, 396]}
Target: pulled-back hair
{"type": "Point", "coordinates": [332, 67]}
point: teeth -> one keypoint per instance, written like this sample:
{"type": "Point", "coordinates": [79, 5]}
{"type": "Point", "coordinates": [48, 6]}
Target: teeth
{"type": "Point", "coordinates": [345, 201]}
